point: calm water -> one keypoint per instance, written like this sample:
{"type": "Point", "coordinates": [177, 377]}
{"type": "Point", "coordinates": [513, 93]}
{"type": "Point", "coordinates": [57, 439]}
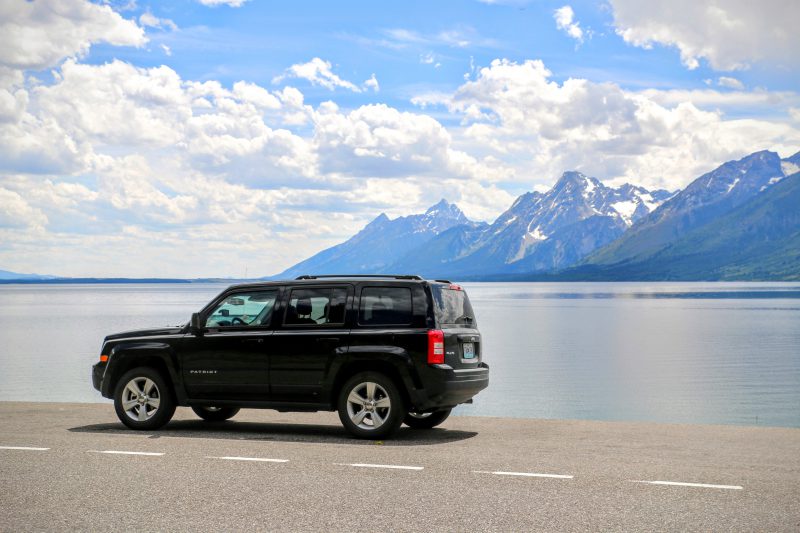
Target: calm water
{"type": "Point", "coordinates": [668, 352]}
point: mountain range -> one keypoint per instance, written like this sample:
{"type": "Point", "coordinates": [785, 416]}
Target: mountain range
{"type": "Point", "coordinates": [739, 221]}
{"type": "Point", "coordinates": [8, 275]}
{"type": "Point", "coordinates": [382, 243]}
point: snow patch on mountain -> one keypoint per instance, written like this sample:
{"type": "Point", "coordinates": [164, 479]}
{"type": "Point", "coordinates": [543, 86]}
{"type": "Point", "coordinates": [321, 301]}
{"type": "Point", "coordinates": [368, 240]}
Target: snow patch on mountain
{"type": "Point", "coordinates": [789, 168]}
{"type": "Point", "coordinates": [590, 185]}
{"type": "Point", "coordinates": [626, 209]}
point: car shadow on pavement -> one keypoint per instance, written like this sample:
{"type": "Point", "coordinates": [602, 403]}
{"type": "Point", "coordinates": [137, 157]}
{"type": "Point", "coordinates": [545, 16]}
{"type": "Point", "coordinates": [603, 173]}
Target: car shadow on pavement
{"type": "Point", "coordinates": [278, 431]}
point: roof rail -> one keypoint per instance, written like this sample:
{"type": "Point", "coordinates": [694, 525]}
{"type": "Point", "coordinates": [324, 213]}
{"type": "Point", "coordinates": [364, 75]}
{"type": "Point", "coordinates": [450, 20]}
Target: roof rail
{"type": "Point", "coordinates": [378, 276]}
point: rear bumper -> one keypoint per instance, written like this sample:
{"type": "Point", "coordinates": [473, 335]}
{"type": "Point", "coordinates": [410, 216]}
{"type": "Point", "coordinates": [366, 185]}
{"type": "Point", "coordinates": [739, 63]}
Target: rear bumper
{"type": "Point", "coordinates": [446, 387]}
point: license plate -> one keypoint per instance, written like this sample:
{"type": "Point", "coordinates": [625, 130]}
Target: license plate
{"type": "Point", "coordinates": [469, 350]}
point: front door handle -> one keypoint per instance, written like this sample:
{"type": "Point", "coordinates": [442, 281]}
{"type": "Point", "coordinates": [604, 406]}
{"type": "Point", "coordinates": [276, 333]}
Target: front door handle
{"type": "Point", "coordinates": [253, 341]}
{"type": "Point", "coordinates": [327, 339]}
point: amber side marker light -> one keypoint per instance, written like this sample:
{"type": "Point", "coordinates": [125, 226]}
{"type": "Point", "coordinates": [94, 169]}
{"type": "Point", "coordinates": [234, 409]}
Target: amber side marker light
{"type": "Point", "coordinates": [103, 358]}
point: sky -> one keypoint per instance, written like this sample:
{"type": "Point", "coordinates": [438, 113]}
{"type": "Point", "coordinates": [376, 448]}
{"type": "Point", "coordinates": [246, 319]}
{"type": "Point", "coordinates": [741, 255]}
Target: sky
{"type": "Point", "coordinates": [234, 138]}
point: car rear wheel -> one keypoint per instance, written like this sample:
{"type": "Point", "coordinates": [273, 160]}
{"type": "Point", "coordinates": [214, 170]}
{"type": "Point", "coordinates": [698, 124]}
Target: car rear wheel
{"type": "Point", "coordinates": [370, 406]}
{"type": "Point", "coordinates": [426, 420]}
{"type": "Point", "coordinates": [215, 414]}
{"type": "Point", "coordinates": [143, 399]}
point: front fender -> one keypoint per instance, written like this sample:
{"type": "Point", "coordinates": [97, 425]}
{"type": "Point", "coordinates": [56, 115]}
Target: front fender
{"type": "Point", "coordinates": [128, 355]}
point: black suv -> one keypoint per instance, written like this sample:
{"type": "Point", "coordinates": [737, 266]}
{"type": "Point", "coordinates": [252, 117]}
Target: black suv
{"type": "Point", "coordinates": [380, 350]}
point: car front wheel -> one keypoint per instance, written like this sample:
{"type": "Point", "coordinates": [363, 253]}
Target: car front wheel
{"type": "Point", "coordinates": [370, 406]}
{"type": "Point", "coordinates": [143, 399]}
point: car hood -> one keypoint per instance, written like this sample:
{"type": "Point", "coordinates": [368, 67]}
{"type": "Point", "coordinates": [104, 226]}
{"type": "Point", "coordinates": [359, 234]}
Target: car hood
{"type": "Point", "coordinates": [154, 332]}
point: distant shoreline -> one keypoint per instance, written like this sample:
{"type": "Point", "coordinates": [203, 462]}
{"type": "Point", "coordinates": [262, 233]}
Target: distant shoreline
{"type": "Point", "coordinates": [465, 279]}
{"type": "Point", "coordinates": [71, 281]}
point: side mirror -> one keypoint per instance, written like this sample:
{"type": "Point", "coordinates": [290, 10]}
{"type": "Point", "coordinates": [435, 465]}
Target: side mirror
{"type": "Point", "coordinates": [196, 326]}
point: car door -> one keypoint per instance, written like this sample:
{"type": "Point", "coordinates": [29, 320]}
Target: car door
{"type": "Point", "coordinates": [311, 335]}
{"type": "Point", "coordinates": [229, 360]}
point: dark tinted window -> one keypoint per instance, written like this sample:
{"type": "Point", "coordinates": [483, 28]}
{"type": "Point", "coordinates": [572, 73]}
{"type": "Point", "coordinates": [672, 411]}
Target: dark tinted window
{"type": "Point", "coordinates": [316, 306]}
{"type": "Point", "coordinates": [452, 306]}
{"type": "Point", "coordinates": [385, 306]}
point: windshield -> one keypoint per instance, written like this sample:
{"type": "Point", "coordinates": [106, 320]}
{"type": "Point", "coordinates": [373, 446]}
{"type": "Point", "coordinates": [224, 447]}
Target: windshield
{"type": "Point", "coordinates": [451, 306]}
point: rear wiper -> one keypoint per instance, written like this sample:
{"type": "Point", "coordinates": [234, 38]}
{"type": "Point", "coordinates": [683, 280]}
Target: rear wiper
{"type": "Point", "coordinates": [466, 318]}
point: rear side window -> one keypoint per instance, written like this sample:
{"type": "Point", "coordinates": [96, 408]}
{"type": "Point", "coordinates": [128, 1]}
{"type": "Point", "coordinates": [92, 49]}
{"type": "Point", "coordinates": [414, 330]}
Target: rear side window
{"type": "Point", "coordinates": [316, 307]}
{"type": "Point", "coordinates": [384, 306]}
{"type": "Point", "coordinates": [451, 305]}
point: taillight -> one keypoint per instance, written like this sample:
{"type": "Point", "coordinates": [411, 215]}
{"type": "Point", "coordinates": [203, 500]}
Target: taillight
{"type": "Point", "coordinates": [435, 346]}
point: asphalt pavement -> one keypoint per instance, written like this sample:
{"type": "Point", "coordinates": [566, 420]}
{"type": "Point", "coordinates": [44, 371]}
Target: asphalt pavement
{"type": "Point", "coordinates": [76, 467]}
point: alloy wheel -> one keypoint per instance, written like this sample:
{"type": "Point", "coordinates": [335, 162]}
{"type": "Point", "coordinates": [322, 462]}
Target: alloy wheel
{"type": "Point", "coordinates": [141, 399]}
{"type": "Point", "coordinates": [368, 405]}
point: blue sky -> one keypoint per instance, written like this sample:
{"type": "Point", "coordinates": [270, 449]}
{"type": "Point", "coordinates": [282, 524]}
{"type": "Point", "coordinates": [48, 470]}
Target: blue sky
{"type": "Point", "coordinates": [203, 140]}
{"type": "Point", "coordinates": [257, 41]}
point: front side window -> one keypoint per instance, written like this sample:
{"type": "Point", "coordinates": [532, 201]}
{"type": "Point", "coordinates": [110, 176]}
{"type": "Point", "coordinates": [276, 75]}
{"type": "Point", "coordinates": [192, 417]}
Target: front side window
{"type": "Point", "coordinates": [244, 309]}
{"type": "Point", "coordinates": [316, 307]}
{"type": "Point", "coordinates": [385, 306]}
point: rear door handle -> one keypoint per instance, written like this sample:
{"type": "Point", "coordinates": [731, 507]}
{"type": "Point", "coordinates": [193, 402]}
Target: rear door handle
{"type": "Point", "coordinates": [253, 341]}
{"type": "Point", "coordinates": [327, 339]}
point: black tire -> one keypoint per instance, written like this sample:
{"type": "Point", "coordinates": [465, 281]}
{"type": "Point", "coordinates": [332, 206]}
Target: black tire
{"type": "Point", "coordinates": [154, 396]}
{"type": "Point", "coordinates": [426, 420]}
{"type": "Point", "coordinates": [385, 407]}
{"type": "Point", "coordinates": [215, 414]}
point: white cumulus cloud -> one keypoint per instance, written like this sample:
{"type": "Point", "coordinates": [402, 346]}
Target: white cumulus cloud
{"type": "Point", "coordinates": [659, 139]}
{"type": "Point", "coordinates": [148, 19]}
{"type": "Point", "coordinates": [37, 35]}
{"type": "Point", "coordinates": [229, 3]}
{"type": "Point", "coordinates": [730, 83]}
{"type": "Point", "coordinates": [729, 34]}
{"type": "Point", "coordinates": [372, 83]}
{"type": "Point", "coordinates": [565, 21]}
{"type": "Point", "coordinates": [318, 72]}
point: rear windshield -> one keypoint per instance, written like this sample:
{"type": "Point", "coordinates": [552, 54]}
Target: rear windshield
{"type": "Point", "coordinates": [451, 306]}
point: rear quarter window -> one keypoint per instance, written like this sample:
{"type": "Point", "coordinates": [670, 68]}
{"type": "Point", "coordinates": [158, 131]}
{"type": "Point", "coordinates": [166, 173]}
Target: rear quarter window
{"type": "Point", "coordinates": [451, 306]}
{"type": "Point", "coordinates": [385, 306]}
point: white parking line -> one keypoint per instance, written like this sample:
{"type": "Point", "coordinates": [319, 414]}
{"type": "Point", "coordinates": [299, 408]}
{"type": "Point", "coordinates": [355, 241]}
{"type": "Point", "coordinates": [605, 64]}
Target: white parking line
{"type": "Point", "coordinates": [23, 448]}
{"type": "Point", "coordinates": [395, 467]}
{"type": "Point", "coordinates": [259, 459]}
{"type": "Point", "coordinates": [683, 484]}
{"type": "Point", "coordinates": [524, 474]}
{"type": "Point", "coordinates": [118, 452]}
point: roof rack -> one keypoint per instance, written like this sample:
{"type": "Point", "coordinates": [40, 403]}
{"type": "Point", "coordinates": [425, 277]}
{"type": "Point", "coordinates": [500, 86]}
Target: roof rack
{"type": "Point", "coordinates": [378, 276]}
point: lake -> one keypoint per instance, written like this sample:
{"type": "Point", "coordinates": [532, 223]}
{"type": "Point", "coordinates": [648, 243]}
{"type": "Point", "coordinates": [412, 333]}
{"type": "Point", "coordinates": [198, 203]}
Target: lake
{"type": "Point", "coordinates": [718, 353]}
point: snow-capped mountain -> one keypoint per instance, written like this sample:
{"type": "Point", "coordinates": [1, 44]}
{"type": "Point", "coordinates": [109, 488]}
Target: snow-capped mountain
{"type": "Point", "coordinates": [607, 232]}
{"type": "Point", "coordinates": [708, 197]}
{"type": "Point", "coordinates": [540, 231]}
{"type": "Point", "coordinates": [536, 217]}
{"type": "Point", "coordinates": [381, 242]}
{"type": "Point", "coordinates": [757, 240]}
